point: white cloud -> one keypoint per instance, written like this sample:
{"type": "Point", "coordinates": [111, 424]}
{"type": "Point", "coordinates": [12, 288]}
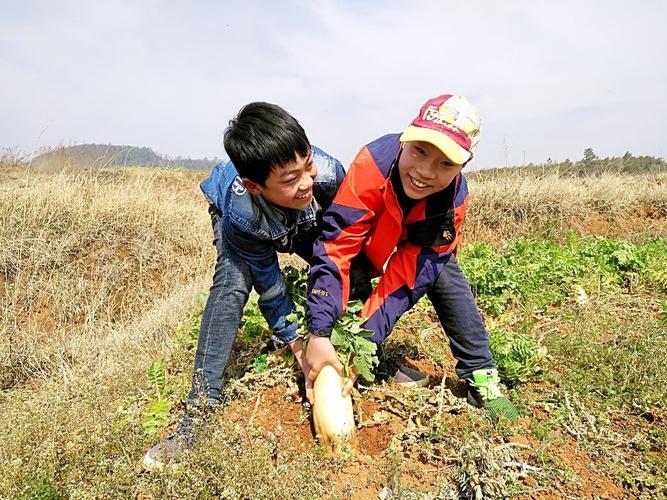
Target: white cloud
{"type": "Point", "coordinates": [550, 78]}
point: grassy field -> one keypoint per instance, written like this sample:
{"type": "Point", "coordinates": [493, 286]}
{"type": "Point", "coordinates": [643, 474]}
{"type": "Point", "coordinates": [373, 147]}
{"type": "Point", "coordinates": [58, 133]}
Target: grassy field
{"type": "Point", "coordinates": [102, 273]}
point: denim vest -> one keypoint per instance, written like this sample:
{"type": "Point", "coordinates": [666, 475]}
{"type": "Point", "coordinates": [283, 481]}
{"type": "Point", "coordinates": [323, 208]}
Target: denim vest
{"type": "Point", "coordinates": [257, 230]}
{"type": "Point", "coordinates": [257, 218]}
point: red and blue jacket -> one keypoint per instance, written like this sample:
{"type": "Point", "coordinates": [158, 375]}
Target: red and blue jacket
{"type": "Point", "coordinates": [408, 250]}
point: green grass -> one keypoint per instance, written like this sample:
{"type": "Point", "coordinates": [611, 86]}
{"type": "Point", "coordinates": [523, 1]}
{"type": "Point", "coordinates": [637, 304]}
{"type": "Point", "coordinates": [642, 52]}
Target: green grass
{"type": "Point", "coordinates": [607, 385]}
{"type": "Point", "coordinates": [533, 274]}
{"type": "Point", "coordinates": [616, 354]}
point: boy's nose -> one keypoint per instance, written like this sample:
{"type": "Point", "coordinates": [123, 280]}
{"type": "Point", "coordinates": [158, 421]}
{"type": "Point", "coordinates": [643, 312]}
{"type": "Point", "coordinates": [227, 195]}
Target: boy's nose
{"type": "Point", "coordinates": [307, 183]}
{"type": "Point", "coordinates": [425, 171]}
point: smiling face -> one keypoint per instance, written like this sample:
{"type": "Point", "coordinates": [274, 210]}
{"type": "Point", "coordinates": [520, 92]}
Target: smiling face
{"type": "Point", "coordinates": [424, 169]}
{"type": "Point", "coordinates": [290, 186]}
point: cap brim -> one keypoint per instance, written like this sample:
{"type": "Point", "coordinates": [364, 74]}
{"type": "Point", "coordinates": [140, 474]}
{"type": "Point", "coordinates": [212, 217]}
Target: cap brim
{"type": "Point", "coordinates": [448, 146]}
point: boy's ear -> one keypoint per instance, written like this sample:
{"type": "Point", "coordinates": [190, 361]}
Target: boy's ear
{"type": "Point", "coordinates": [252, 186]}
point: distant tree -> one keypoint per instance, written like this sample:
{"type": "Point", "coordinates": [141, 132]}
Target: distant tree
{"type": "Point", "coordinates": [589, 155]}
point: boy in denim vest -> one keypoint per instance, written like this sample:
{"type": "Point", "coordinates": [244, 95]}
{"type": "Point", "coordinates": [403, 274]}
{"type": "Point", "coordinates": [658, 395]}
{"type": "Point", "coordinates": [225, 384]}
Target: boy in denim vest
{"type": "Point", "coordinates": [267, 199]}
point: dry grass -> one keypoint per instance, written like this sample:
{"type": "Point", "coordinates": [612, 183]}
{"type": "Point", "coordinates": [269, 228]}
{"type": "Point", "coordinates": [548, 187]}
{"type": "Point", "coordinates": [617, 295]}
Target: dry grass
{"type": "Point", "coordinates": [83, 252]}
{"type": "Point", "coordinates": [623, 206]}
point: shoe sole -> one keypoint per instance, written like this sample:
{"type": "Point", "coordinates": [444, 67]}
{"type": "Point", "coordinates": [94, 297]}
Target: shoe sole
{"type": "Point", "coordinates": [153, 465]}
{"type": "Point", "coordinates": [491, 412]}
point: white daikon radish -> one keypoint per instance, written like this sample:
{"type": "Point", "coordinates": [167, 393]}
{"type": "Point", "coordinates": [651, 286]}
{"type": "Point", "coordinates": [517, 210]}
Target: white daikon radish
{"type": "Point", "coordinates": [332, 413]}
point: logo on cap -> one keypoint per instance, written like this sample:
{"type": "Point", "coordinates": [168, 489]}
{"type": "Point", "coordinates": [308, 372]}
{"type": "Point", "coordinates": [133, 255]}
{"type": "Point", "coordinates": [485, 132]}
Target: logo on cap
{"type": "Point", "coordinates": [450, 123]}
{"type": "Point", "coordinates": [456, 114]}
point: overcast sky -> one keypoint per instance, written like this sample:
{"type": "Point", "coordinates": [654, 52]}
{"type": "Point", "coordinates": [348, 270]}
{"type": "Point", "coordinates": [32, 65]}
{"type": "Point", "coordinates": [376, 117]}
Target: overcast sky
{"type": "Point", "coordinates": [548, 78]}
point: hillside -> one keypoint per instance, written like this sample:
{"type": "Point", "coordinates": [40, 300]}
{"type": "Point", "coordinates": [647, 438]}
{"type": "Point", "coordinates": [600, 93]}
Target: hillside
{"type": "Point", "coordinates": [110, 155]}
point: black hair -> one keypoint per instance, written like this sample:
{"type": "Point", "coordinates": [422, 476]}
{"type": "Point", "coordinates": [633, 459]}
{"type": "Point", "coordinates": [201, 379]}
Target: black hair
{"type": "Point", "coordinates": [263, 136]}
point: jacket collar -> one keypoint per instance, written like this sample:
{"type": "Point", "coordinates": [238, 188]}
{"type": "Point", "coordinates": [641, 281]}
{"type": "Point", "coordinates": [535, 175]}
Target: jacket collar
{"type": "Point", "coordinates": [278, 221]}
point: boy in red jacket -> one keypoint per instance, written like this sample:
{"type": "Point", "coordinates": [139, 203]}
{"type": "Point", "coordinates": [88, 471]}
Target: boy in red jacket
{"type": "Point", "coordinates": [401, 207]}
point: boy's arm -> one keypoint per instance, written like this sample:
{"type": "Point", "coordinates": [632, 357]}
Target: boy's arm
{"type": "Point", "coordinates": [275, 302]}
{"type": "Point", "coordinates": [345, 225]}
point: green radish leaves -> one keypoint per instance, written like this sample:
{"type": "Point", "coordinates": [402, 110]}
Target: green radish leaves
{"type": "Point", "coordinates": [348, 336]}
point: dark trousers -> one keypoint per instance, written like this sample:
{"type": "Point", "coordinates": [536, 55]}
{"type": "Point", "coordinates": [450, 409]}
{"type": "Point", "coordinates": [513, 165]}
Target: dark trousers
{"type": "Point", "coordinates": [458, 314]}
{"type": "Point", "coordinates": [232, 284]}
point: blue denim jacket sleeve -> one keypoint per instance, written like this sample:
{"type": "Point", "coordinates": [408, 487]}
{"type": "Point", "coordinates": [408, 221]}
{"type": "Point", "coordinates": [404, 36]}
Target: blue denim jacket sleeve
{"type": "Point", "coordinates": [275, 302]}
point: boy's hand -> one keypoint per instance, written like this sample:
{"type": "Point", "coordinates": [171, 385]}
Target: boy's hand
{"type": "Point", "coordinates": [319, 353]}
{"type": "Point", "coordinates": [299, 354]}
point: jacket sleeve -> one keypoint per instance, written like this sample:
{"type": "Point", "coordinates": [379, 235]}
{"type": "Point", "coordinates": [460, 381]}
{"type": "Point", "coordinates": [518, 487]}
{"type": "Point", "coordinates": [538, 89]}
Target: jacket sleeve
{"type": "Point", "coordinates": [409, 273]}
{"type": "Point", "coordinates": [275, 302]}
{"type": "Point", "coordinates": [344, 228]}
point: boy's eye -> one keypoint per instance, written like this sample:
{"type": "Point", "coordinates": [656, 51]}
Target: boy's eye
{"type": "Point", "coordinates": [420, 150]}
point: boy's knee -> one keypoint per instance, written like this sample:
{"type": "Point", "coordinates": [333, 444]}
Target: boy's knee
{"type": "Point", "coordinates": [233, 274]}
{"type": "Point", "coordinates": [273, 292]}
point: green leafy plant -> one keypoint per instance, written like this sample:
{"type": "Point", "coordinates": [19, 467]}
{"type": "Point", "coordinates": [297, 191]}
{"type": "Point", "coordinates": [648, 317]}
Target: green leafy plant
{"type": "Point", "coordinates": [348, 336]}
{"type": "Point", "coordinates": [536, 273]}
{"type": "Point", "coordinates": [352, 345]}
{"type": "Point", "coordinates": [663, 312]}
{"type": "Point", "coordinates": [516, 355]}
{"type": "Point", "coordinates": [253, 325]}
{"type": "Point", "coordinates": [39, 490]}
{"type": "Point", "coordinates": [157, 377]}
{"type": "Point", "coordinates": [259, 363]}
{"type": "Point", "coordinates": [158, 408]}
{"type": "Point", "coordinates": [297, 283]}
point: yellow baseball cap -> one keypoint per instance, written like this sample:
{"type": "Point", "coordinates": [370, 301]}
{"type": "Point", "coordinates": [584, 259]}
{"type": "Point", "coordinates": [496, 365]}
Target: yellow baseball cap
{"type": "Point", "coordinates": [450, 123]}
